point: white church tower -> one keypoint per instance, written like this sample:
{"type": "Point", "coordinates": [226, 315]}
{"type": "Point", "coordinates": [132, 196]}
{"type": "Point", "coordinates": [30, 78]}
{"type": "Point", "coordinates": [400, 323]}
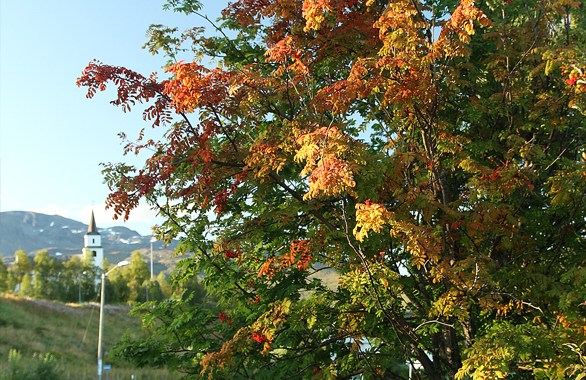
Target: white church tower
{"type": "Point", "coordinates": [93, 243]}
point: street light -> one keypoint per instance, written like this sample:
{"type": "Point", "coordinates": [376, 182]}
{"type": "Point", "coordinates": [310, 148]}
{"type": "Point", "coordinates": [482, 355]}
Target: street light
{"type": "Point", "coordinates": [79, 286]}
{"type": "Point", "coordinates": [101, 326]}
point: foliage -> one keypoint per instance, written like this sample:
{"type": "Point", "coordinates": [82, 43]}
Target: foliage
{"type": "Point", "coordinates": [26, 285]}
{"type": "Point", "coordinates": [46, 276]}
{"type": "Point", "coordinates": [41, 367]}
{"type": "Point", "coordinates": [132, 283]}
{"type": "Point", "coordinates": [431, 153]}
{"type": "Point", "coordinates": [3, 276]}
{"type": "Point", "coordinates": [74, 280]}
{"type": "Point", "coordinates": [138, 275]}
{"type": "Point", "coordinates": [77, 280]}
{"type": "Point", "coordinates": [22, 265]}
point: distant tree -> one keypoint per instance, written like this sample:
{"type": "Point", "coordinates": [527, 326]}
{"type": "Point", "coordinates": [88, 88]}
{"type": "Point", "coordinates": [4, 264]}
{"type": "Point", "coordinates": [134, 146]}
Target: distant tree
{"type": "Point", "coordinates": [80, 276]}
{"type": "Point", "coordinates": [70, 289]}
{"type": "Point", "coordinates": [155, 291]}
{"type": "Point", "coordinates": [22, 265]}
{"type": "Point", "coordinates": [26, 285]}
{"type": "Point", "coordinates": [11, 281]}
{"type": "Point", "coordinates": [88, 275]}
{"type": "Point", "coordinates": [106, 265]}
{"type": "Point", "coordinates": [3, 276]}
{"type": "Point", "coordinates": [164, 284]}
{"type": "Point", "coordinates": [77, 280]}
{"type": "Point", "coordinates": [47, 273]}
{"type": "Point", "coordinates": [117, 289]}
{"type": "Point", "coordinates": [137, 275]}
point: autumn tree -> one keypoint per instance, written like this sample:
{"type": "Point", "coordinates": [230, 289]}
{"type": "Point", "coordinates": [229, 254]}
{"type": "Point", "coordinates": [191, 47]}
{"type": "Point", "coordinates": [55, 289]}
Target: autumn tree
{"type": "Point", "coordinates": [427, 154]}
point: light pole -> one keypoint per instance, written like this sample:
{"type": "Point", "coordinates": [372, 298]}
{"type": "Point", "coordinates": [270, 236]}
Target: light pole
{"type": "Point", "coordinates": [79, 285]}
{"type": "Point", "coordinates": [152, 275]}
{"type": "Point", "coordinates": [152, 272]}
{"type": "Point", "coordinates": [101, 326]}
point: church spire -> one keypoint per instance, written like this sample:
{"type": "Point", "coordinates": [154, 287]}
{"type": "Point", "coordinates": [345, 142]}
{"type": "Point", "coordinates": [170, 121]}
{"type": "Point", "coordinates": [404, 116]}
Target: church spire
{"type": "Point", "coordinates": [93, 243]}
{"type": "Point", "coordinates": [91, 228]}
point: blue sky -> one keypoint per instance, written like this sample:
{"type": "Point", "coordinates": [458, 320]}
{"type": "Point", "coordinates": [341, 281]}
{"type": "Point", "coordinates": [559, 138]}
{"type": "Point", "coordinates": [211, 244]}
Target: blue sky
{"type": "Point", "coordinates": [53, 139]}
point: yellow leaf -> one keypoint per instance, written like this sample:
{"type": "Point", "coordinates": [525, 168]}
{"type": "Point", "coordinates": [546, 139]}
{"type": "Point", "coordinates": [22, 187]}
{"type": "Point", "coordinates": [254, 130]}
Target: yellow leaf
{"type": "Point", "coordinates": [370, 217]}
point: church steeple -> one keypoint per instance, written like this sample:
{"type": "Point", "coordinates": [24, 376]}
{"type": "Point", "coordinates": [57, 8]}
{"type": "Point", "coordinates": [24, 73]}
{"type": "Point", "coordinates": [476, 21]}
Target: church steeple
{"type": "Point", "coordinates": [91, 228]}
{"type": "Point", "coordinates": [93, 243]}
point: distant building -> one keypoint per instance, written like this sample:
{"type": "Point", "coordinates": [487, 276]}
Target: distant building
{"type": "Point", "coordinates": [93, 243]}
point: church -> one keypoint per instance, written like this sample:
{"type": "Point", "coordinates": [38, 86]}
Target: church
{"type": "Point", "coordinates": [93, 243]}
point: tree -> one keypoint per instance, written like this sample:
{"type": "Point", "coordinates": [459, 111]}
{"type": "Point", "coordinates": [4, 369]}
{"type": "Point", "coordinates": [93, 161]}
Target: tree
{"type": "Point", "coordinates": [26, 285]}
{"type": "Point", "coordinates": [137, 274]}
{"type": "Point", "coordinates": [429, 153]}
{"type": "Point", "coordinates": [3, 276]}
{"type": "Point", "coordinates": [164, 283]}
{"type": "Point", "coordinates": [47, 276]}
{"type": "Point", "coordinates": [22, 265]}
{"type": "Point", "coordinates": [11, 281]}
{"type": "Point", "coordinates": [159, 289]}
{"type": "Point", "coordinates": [78, 280]}
{"type": "Point", "coordinates": [117, 289]}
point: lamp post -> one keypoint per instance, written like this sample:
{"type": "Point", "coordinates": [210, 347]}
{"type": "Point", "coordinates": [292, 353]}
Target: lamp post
{"type": "Point", "coordinates": [79, 285]}
{"type": "Point", "coordinates": [152, 272]}
{"type": "Point", "coordinates": [101, 326]}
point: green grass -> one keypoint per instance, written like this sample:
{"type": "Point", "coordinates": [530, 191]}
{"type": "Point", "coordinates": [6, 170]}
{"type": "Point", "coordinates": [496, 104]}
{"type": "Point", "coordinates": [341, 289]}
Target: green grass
{"type": "Point", "coordinates": [69, 333]}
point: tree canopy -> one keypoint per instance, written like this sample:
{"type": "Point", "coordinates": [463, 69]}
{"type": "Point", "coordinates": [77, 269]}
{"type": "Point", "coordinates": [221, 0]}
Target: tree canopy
{"type": "Point", "coordinates": [427, 155]}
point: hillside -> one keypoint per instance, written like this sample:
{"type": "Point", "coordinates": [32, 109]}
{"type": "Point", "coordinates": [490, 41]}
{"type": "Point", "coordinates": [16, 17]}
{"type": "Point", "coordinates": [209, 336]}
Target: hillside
{"type": "Point", "coordinates": [32, 231]}
{"type": "Point", "coordinates": [69, 333]}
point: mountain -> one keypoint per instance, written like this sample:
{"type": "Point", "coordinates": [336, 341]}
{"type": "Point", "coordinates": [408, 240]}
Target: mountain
{"type": "Point", "coordinates": [31, 231]}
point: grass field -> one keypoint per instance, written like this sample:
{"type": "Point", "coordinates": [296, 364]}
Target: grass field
{"type": "Point", "coordinates": [69, 333]}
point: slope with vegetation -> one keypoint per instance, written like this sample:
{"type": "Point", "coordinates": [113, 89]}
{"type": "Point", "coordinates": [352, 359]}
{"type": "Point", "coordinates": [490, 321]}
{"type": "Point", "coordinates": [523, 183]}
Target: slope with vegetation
{"type": "Point", "coordinates": [42, 340]}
